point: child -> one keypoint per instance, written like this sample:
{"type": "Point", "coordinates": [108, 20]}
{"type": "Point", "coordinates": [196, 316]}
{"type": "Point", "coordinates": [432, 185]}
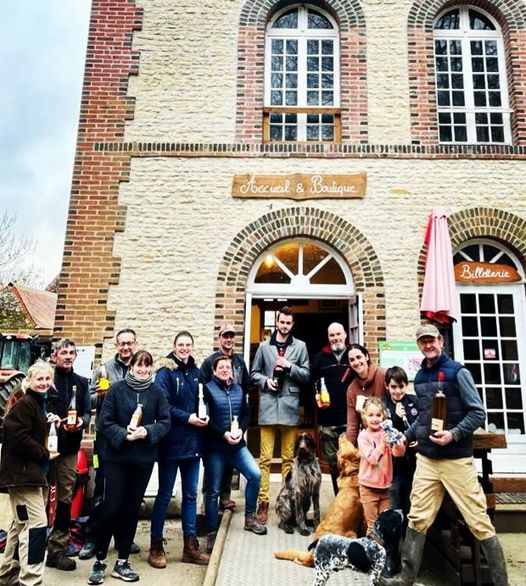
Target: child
{"type": "Point", "coordinates": [376, 465]}
{"type": "Point", "coordinates": [402, 410]}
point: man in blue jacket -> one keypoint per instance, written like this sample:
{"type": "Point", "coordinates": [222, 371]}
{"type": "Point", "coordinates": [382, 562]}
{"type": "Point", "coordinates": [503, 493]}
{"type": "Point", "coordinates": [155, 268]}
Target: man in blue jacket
{"type": "Point", "coordinates": [445, 459]}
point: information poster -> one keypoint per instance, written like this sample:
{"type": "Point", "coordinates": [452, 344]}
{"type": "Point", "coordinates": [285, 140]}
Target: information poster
{"type": "Point", "coordinates": [400, 353]}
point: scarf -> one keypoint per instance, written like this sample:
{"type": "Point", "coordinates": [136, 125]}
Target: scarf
{"type": "Point", "coordinates": [137, 384]}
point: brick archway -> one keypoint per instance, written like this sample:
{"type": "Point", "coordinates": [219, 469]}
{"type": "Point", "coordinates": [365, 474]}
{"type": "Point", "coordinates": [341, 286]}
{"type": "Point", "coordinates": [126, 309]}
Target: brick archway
{"type": "Point", "coordinates": [481, 222]}
{"type": "Point", "coordinates": [309, 222]}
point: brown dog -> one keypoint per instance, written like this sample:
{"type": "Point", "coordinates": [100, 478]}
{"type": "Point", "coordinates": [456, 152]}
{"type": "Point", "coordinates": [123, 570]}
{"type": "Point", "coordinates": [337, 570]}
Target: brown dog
{"type": "Point", "coordinates": [345, 515]}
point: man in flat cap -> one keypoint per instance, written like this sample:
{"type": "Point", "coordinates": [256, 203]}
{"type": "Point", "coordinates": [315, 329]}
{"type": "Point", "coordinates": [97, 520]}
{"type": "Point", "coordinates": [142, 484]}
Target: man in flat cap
{"type": "Point", "coordinates": [445, 459]}
{"type": "Point", "coordinates": [226, 344]}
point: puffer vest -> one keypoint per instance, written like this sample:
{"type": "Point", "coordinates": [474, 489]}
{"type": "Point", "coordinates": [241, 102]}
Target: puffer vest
{"type": "Point", "coordinates": [223, 404]}
{"type": "Point", "coordinates": [426, 386]}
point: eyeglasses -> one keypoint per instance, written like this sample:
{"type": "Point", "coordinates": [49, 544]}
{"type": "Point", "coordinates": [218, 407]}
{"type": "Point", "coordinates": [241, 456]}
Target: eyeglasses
{"type": "Point", "coordinates": [130, 344]}
{"type": "Point", "coordinates": [228, 335]}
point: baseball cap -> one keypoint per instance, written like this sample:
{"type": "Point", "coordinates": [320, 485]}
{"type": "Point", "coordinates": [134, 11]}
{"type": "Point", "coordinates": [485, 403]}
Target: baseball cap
{"type": "Point", "coordinates": [226, 329]}
{"type": "Point", "coordinates": [427, 330]}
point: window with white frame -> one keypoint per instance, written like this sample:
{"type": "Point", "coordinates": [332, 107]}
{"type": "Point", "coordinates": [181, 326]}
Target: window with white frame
{"type": "Point", "coordinates": [470, 73]}
{"type": "Point", "coordinates": [302, 77]}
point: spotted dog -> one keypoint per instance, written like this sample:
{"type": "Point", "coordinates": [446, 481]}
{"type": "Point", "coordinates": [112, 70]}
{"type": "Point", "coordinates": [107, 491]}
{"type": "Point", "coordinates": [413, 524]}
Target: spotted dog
{"type": "Point", "coordinates": [365, 554]}
{"type": "Point", "coordinates": [302, 485]}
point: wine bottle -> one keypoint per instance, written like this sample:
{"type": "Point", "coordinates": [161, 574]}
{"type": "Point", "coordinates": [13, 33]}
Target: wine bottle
{"type": "Point", "coordinates": [136, 417]}
{"type": "Point", "coordinates": [201, 407]}
{"type": "Point", "coordinates": [234, 427]}
{"type": "Point", "coordinates": [325, 398]}
{"type": "Point", "coordinates": [52, 438]}
{"type": "Point", "coordinates": [439, 407]}
{"type": "Point", "coordinates": [104, 381]}
{"type": "Point", "coordinates": [71, 420]}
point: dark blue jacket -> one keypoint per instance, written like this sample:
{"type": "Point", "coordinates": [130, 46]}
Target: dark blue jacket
{"type": "Point", "coordinates": [465, 411]}
{"type": "Point", "coordinates": [179, 383]}
{"type": "Point", "coordinates": [223, 402]}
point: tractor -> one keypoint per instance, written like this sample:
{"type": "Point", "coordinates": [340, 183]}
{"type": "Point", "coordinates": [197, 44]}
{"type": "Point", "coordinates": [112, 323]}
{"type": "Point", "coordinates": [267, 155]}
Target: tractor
{"type": "Point", "coordinates": [17, 353]}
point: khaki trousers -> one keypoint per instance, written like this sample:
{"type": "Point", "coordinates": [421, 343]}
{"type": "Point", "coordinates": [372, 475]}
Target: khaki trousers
{"type": "Point", "coordinates": [459, 478]}
{"type": "Point", "coordinates": [63, 474]}
{"type": "Point", "coordinates": [268, 437]}
{"type": "Point", "coordinates": [23, 561]}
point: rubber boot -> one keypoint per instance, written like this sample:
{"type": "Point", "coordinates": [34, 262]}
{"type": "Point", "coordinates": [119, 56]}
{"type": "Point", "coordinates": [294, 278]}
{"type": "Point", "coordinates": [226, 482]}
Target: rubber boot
{"type": "Point", "coordinates": [157, 557]}
{"type": "Point", "coordinates": [191, 553]}
{"type": "Point", "coordinates": [496, 561]}
{"type": "Point", "coordinates": [412, 552]}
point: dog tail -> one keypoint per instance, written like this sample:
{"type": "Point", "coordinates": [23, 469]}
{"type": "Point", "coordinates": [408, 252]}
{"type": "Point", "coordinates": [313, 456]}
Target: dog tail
{"type": "Point", "coordinates": [303, 558]}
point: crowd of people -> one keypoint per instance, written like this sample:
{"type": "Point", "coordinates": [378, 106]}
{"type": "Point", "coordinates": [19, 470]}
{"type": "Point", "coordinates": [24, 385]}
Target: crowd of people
{"type": "Point", "coordinates": [177, 414]}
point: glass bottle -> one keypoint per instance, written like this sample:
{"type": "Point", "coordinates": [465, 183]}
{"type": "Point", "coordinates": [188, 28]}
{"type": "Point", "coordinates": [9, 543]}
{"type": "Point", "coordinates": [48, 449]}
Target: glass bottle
{"type": "Point", "coordinates": [52, 438]}
{"type": "Point", "coordinates": [201, 406]}
{"type": "Point", "coordinates": [71, 420]}
{"type": "Point", "coordinates": [234, 426]}
{"type": "Point", "coordinates": [325, 398]}
{"type": "Point", "coordinates": [136, 417]}
{"type": "Point", "coordinates": [439, 407]}
{"type": "Point", "coordinates": [104, 381]}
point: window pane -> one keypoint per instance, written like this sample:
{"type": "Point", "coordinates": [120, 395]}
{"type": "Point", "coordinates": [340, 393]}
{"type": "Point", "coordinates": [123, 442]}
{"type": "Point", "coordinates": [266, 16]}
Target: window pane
{"type": "Point", "coordinates": [443, 98]}
{"type": "Point", "coordinates": [490, 47]}
{"type": "Point", "coordinates": [445, 134]}
{"type": "Point", "coordinates": [494, 398]}
{"type": "Point", "coordinates": [455, 47]}
{"type": "Point", "coordinates": [478, 21]}
{"type": "Point", "coordinates": [450, 20]}
{"type": "Point", "coordinates": [458, 98]}
{"type": "Point", "coordinates": [492, 64]}
{"type": "Point", "coordinates": [480, 98]}
{"type": "Point", "coordinates": [316, 20]}
{"type": "Point", "coordinates": [292, 63]}
{"type": "Point", "coordinates": [292, 46]}
{"type": "Point", "coordinates": [327, 132]}
{"type": "Point", "coordinates": [455, 63]}
{"type": "Point", "coordinates": [507, 327]}
{"type": "Point", "coordinates": [276, 98]}
{"type": "Point", "coordinates": [492, 374]}
{"type": "Point", "coordinates": [471, 350]}
{"type": "Point", "coordinates": [277, 46]}
{"type": "Point", "coordinates": [276, 80]}
{"type": "Point", "coordinates": [331, 273]}
{"type": "Point", "coordinates": [312, 132]}
{"type": "Point", "coordinates": [515, 423]}
{"type": "Point", "coordinates": [494, 99]}
{"type": "Point", "coordinates": [441, 63]}
{"type": "Point", "coordinates": [513, 398]}
{"type": "Point", "coordinates": [291, 98]}
{"type": "Point", "coordinates": [275, 132]}
{"type": "Point", "coordinates": [496, 422]}
{"type": "Point", "coordinates": [477, 63]}
{"type": "Point", "coordinates": [493, 347]}
{"type": "Point", "coordinates": [488, 326]}
{"type": "Point", "coordinates": [479, 82]}
{"type": "Point", "coordinates": [475, 371]}
{"type": "Point", "coordinates": [441, 47]}
{"type": "Point", "coordinates": [443, 81]}
{"type": "Point", "coordinates": [457, 81]}
{"type": "Point", "coordinates": [461, 134]}
{"type": "Point", "coordinates": [313, 64]}
{"type": "Point", "coordinates": [476, 47]}
{"type": "Point", "coordinates": [505, 303]}
{"type": "Point", "coordinates": [497, 135]}
{"type": "Point", "coordinates": [327, 47]}
{"type": "Point", "coordinates": [512, 374]}
{"type": "Point", "coordinates": [313, 47]}
{"type": "Point", "coordinates": [486, 303]}
{"type": "Point", "coordinates": [312, 98]}
{"type": "Point", "coordinates": [327, 81]}
{"type": "Point", "coordinates": [277, 64]}
{"type": "Point", "coordinates": [291, 80]}
{"type": "Point", "coordinates": [327, 64]}
{"type": "Point", "coordinates": [313, 80]}
{"type": "Point", "coordinates": [468, 303]}
{"type": "Point", "coordinates": [291, 133]}
{"type": "Point", "coordinates": [313, 118]}
{"type": "Point", "coordinates": [327, 98]}
{"type": "Point", "coordinates": [470, 326]}
{"type": "Point", "coordinates": [482, 134]}
{"type": "Point", "coordinates": [287, 20]}
{"type": "Point", "coordinates": [493, 82]}
{"type": "Point", "coordinates": [509, 350]}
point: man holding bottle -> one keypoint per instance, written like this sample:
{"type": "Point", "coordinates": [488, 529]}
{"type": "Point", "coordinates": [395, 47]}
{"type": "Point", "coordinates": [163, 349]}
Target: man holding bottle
{"type": "Point", "coordinates": [107, 374]}
{"type": "Point", "coordinates": [331, 366]}
{"type": "Point", "coordinates": [445, 459]}
{"type": "Point", "coordinates": [280, 367]}
{"type": "Point", "coordinates": [69, 399]}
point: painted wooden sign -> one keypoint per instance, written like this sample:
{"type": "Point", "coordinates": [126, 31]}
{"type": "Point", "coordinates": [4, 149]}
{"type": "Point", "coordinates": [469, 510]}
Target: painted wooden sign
{"type": "Point", "coordinates": [485, 272]}
{"type": "Point", "coordinates": [300, 186]}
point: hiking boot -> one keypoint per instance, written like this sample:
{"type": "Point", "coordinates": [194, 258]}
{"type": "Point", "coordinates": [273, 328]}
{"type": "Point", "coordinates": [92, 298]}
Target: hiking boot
{"type": "Point", "coordinates": [191, 552]}
{"type": "Point", "coordinates": [157, 557]}
{"type": "Point", "coordinates": [89, 549]}
{"type": "Point", "coordinates": [262, 513]}
{"type": "Point", "coordinates": [253, 524]}
{"type": "Point", "coordinates": [210, 541]}
{"type": "Point", "coordinates": [124, 571]}
{"type": "Point", "coordinates": [61, 562]}
{"type": "Point", "coordinates": [97, 572]}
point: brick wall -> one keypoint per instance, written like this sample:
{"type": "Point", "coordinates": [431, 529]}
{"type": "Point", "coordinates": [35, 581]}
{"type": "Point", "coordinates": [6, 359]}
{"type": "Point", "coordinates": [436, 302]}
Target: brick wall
{"type": "Point", "coordinates": [88, 267]}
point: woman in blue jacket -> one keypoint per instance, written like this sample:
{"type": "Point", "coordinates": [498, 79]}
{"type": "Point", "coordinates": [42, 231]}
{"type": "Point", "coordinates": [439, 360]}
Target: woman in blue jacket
{"type": "Point", "coordinates": [180, 450]}
{"type": "Point", "coordinates": [224, 444]}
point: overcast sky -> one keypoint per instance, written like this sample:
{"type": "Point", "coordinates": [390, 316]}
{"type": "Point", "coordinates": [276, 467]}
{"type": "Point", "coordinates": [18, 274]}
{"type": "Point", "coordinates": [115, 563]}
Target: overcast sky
{"type": "Point", "coordinates": [42, 53]}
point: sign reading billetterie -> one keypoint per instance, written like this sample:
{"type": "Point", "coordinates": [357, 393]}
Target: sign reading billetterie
{"type": "Point", "coordinates": [300, 186]}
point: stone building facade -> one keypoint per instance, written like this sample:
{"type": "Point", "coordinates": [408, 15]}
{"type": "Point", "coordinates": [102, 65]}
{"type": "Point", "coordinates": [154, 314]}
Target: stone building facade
{"type": "Point", "coordinates": [424, 98]}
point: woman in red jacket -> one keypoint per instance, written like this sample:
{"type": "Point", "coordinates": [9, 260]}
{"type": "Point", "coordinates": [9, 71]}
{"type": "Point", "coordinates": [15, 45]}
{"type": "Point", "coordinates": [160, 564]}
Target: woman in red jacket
{"type": "Point", "coordinates": [23, 466]}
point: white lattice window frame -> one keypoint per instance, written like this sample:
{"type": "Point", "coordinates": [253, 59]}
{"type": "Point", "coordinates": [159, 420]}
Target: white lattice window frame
{"type": "Point", "coordinates": [465, 35]}
{"type": "Point", "coordinates": [302, 33]}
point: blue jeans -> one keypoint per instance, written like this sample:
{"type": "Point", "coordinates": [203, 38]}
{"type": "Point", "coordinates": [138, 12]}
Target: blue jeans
{"type": "Point", "coordinates": [214, 463]}
{"type": "Point", "coordinates": [189, 468]}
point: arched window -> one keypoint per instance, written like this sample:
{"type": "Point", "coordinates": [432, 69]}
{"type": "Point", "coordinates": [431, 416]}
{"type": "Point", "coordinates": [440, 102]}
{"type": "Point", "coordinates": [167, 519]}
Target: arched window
{"type": "Point", "coordinates": [472, 95]}
{"type": "Point", "coordinates": [302, 77]}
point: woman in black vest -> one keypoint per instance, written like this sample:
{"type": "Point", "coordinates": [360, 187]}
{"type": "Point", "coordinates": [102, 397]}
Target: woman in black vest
{"type": "Point", "coordinates": [228, 412]}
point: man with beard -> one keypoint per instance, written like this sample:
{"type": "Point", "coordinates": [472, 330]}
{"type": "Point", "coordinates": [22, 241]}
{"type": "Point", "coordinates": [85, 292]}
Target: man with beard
{"type": "Point", "coordinates": [281, 366]}
{"type": "Point", "coordinates": [107, 374]}
{"type": "Point", "coordinates": [332, 365]}
{"type": "Point", "coordinates": [226, 343]}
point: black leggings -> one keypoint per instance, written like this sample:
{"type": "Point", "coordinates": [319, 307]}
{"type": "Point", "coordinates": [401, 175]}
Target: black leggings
{"type": "Point", "coordinates": [125, 485]}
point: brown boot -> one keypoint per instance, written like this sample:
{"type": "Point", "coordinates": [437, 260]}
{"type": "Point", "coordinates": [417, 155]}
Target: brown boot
{"type": "Point", "coordinates": [262, 514]}
{"type": "Point", "coordinates": [191, 553]}
{"type": "Point", "coordinates": [157, 557]}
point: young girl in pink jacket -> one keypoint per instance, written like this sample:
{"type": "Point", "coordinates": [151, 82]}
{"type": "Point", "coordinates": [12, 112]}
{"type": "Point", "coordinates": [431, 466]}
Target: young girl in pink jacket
{"type": "Point", "coordinates": [376, 464]}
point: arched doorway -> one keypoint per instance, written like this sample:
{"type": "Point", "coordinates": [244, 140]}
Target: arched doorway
{"type": "Point", "coordinates": [310, 277]}
{"type": "Point", "coordinates": [490, 340]}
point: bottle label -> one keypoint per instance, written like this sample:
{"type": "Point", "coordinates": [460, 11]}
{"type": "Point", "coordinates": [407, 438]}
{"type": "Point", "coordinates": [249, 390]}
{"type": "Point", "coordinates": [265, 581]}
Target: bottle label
{"type": "Point", "coordinates": [437, 424]}
{"type": "Point", "coordinates": [72, 418]}
{"type": "Point", "coordinates": [201, 412]}
{"type": "Point", "coordinates": [104, 384]}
